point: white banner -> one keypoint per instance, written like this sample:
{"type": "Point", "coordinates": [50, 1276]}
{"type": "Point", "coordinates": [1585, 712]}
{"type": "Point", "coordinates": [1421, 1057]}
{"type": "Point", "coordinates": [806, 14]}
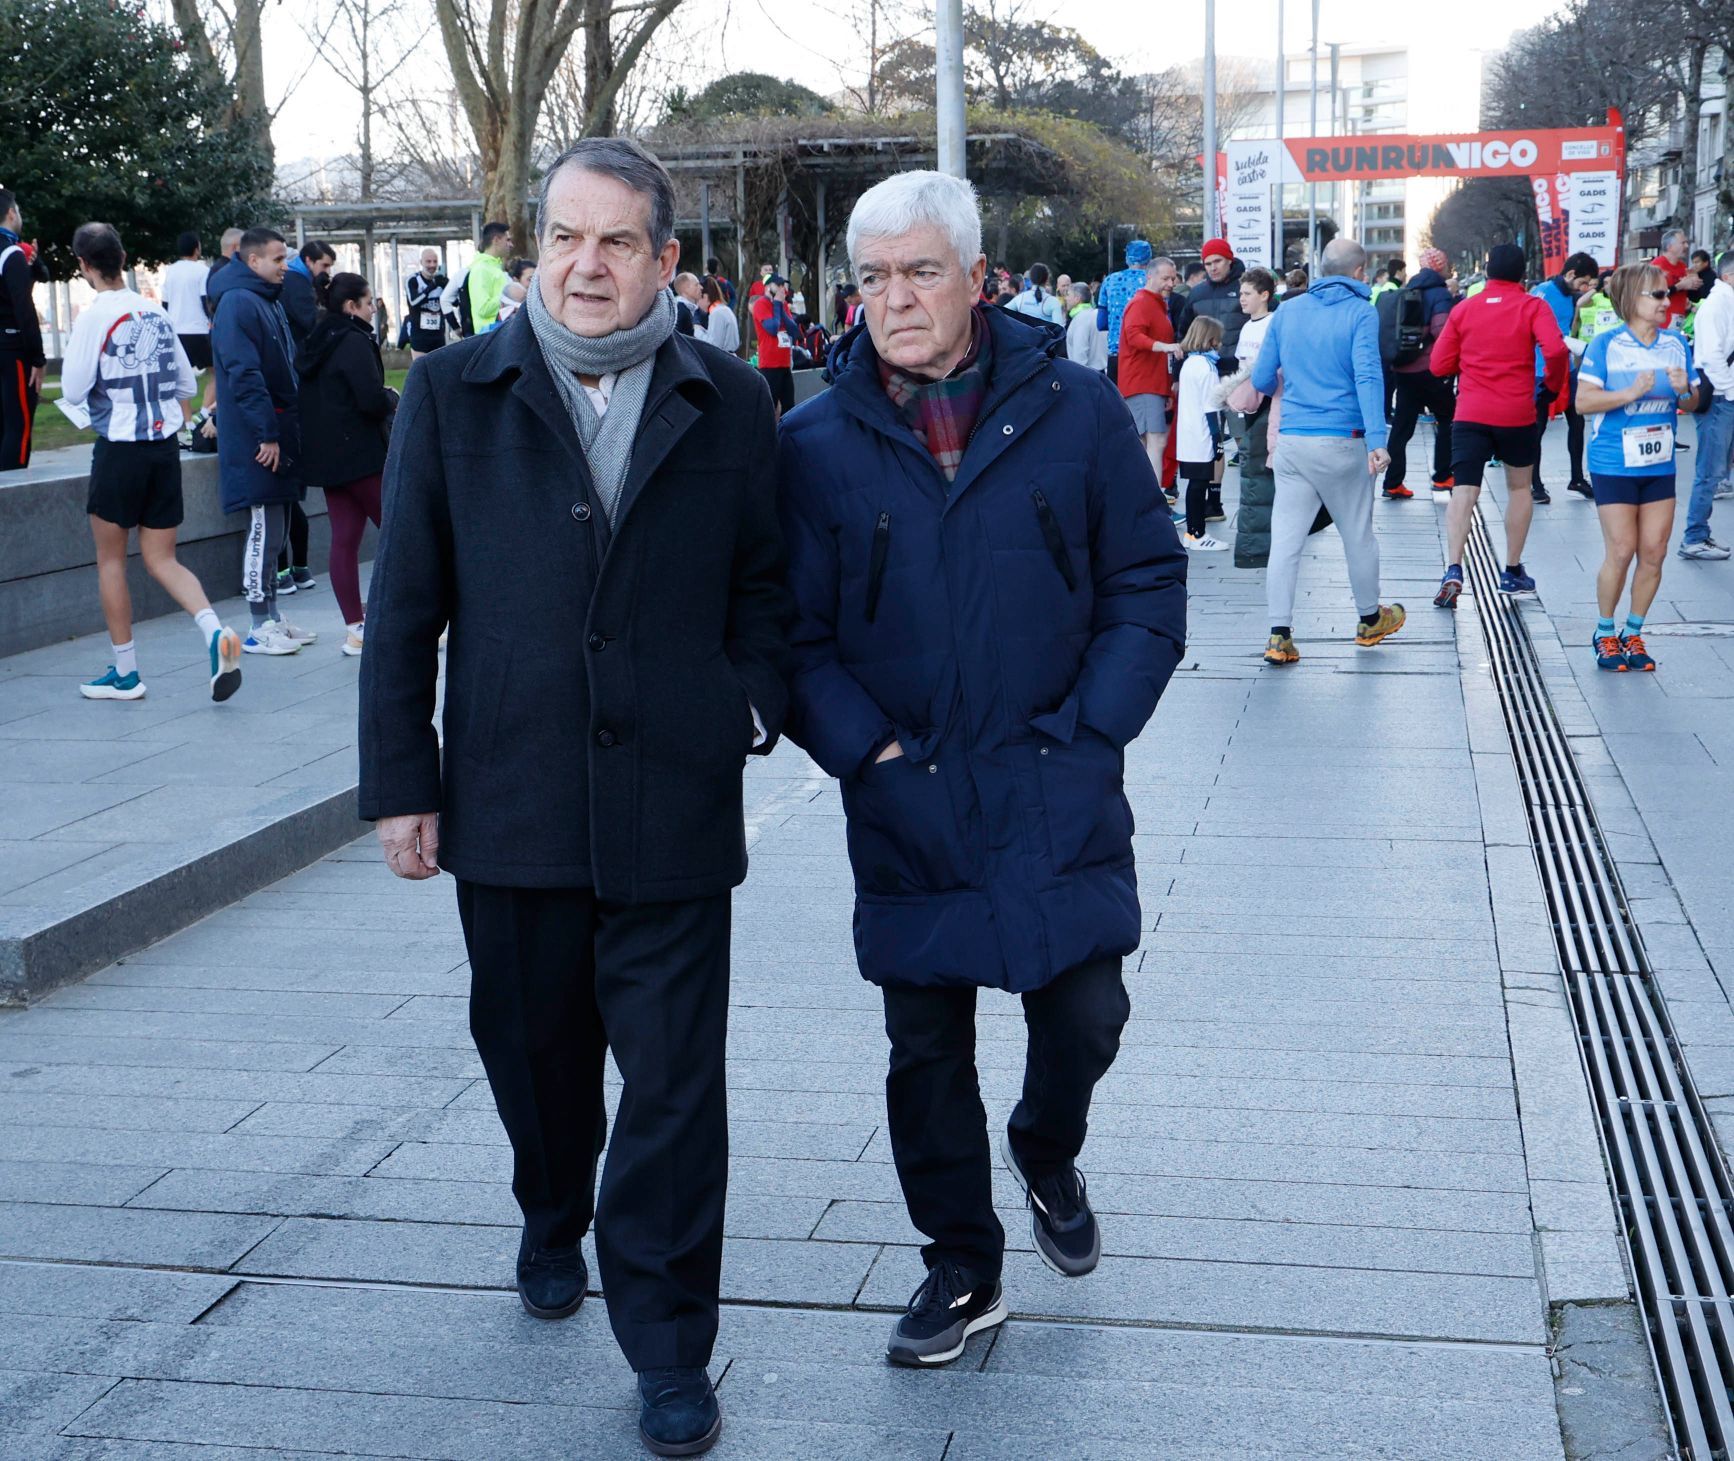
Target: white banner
{"type": "Point", "coordinates": [1592, 212]}
{"type": "Point", "coordinates": [1251, 175]}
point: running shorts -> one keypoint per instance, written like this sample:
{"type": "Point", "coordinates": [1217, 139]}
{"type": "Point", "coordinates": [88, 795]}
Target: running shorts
{"type": "Point", "coordinates": [198, 348]}
{"type": "Point", "coordinates": [1625, 491]}
{"type": "Point", "coordinates": [781, 380]}
{"type": "Point", "coordinates": [1474, 445]}
{"type": "Point", "coordinates": [136, 484]}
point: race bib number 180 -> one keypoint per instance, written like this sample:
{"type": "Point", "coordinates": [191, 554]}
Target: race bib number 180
{"type": "Point", "coordinates": [1648, 446]}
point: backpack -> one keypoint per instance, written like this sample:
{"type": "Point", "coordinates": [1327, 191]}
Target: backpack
{"type": "Point", "coordinates": [1402, 325]}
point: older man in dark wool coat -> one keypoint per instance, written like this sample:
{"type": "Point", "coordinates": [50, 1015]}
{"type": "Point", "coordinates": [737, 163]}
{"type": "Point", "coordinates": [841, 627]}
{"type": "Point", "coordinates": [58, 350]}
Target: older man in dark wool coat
{"type": "Point", "coordinates": [990, 598]}
{"type": "Point", "coordinates": [587, 497]}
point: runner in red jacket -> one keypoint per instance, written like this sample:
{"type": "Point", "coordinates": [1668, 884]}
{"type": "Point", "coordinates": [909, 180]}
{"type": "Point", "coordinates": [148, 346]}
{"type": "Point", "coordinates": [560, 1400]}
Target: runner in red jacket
{"type": "Point", "coordinates": [1489, 344]}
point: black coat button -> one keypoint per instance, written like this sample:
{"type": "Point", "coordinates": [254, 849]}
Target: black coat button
{"type": "Point", "coordinates": [605, 738]}
{"type": "Point", "coordinates": [581, 511]}
{"type": "Point", "coordinates": [596, 641]}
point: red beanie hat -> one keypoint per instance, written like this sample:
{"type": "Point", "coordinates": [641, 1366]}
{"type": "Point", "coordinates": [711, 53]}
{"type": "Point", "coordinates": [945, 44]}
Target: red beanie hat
{"type": "Point", "coordinates": [1217, 248]}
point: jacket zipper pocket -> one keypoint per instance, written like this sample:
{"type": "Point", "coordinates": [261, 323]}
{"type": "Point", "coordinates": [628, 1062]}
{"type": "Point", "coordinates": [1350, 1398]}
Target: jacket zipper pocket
{"type": "Point", "coordinates": [1055, 539]}
{"type": "Point", "coordinates": [876, 564]}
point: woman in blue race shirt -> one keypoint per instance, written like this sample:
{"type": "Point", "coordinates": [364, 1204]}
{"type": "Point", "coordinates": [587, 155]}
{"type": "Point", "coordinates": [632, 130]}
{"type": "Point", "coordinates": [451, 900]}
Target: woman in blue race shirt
{"type": "Point", "coordinates": [1630, 387]}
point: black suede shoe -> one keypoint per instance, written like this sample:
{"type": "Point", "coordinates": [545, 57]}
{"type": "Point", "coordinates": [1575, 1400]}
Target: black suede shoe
{"type": "Point", "coordinates": [551, 1281]}
{"type": "Point", "coordinates": [678, 1414]}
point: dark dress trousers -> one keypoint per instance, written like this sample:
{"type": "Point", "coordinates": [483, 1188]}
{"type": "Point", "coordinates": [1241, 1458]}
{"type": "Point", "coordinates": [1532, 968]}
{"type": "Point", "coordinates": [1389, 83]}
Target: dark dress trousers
{"type": "Point", "coordinates": [600, 685]}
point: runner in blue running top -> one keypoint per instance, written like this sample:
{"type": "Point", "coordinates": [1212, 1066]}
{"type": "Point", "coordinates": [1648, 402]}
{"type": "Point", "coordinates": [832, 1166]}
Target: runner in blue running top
{"type": "Point", "coordinates": [1630, 387]}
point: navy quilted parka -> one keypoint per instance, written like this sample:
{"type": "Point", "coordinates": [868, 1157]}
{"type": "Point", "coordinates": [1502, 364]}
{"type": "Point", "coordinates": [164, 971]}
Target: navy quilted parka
{"type": "Point", "coordinates": [1013, 629]}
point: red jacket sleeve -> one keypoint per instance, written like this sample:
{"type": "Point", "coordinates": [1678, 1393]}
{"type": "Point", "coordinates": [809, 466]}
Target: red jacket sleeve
{"type": "Point", "coordinates": [1135, 323]}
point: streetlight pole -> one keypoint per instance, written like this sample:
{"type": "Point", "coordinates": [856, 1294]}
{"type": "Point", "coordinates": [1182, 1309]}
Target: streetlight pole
{"type": "Point", "coordinates": [1338, 193]}
{"type": "Point", "coordinates": [1313, 128]}
{"type": "Point", "coordinates": [1208, 218]}
{"type": "Point", "coordinates": [1281, 92]}
{"type": "Point", "coordinates": [948, 62]}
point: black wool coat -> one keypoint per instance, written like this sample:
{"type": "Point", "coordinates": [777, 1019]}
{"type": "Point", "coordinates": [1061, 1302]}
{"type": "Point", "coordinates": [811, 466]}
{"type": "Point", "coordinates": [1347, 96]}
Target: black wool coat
{"type": "Point", "coordinates": [600, 683]}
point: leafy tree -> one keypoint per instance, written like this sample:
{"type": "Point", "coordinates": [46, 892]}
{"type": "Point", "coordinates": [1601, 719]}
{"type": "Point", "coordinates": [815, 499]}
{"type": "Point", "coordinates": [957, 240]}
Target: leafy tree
{"type": "Point", "coordinates": [748, 94]}
{"type": "Point", "coordinates": [110, 118]}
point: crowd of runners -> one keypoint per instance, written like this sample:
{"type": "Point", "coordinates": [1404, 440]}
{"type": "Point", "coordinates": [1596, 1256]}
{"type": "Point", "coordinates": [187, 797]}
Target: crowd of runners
{"type": "Point", "coordinates": [1314, 387]}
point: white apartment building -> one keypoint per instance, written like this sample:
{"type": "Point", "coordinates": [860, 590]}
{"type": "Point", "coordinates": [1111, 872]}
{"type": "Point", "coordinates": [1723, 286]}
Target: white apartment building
{"type": "Point", "coordinates": [1379, 89]}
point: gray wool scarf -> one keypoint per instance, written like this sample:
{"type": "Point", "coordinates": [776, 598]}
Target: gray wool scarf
{"type": "Point", "coordinates": [628, 355]}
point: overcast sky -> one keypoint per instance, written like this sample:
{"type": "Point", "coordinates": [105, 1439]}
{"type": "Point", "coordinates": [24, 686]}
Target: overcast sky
{"type": "Point", "coordinates": [813, 42]}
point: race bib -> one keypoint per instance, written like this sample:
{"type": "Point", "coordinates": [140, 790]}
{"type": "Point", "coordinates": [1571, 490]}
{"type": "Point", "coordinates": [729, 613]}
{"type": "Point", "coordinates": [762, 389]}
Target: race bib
{"type": "Point", "coordinates": [783, 339]}
{"type": "Point", "coordinates": [430, 320]}
{"type": "Point", "coordinates": [1651, 447]}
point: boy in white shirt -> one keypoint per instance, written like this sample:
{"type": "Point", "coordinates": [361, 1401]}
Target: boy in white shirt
{"type": "Point", "coordinates": [125, 366]}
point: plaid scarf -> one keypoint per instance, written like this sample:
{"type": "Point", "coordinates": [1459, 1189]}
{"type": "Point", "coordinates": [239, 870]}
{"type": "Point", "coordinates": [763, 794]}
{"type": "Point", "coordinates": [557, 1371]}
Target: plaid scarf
{"type": "Point", "coordinates": [942, 413]}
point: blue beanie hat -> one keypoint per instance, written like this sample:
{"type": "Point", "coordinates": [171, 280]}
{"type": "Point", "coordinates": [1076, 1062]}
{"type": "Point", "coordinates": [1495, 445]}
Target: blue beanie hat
{"type": "Point", "coordinates": [1138, 251]}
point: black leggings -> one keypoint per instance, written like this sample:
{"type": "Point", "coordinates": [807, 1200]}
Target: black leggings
{"type": "Point", "coordinates": [1196, 475]}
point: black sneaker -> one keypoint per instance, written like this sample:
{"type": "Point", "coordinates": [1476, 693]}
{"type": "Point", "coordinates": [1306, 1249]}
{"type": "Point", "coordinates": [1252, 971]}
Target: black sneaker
{"type": "Point", "coordinates": [1583, 489]}
{"type": "Point", "coordinates": [943, 1313]}
{"type": "Point", "coordinates": [677, 1413]}
{"type": "Point", "coordinates": [1540, 493]}
{"type": "Point", "coordinates": [551, 1281]}
{"type": "Point", "coordinates": [1060, 1218]}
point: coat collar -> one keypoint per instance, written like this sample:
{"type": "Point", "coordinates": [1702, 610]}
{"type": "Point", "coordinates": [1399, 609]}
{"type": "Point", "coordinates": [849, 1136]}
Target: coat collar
{"type": "Point", "coordinates": [1023, 350]}
{"type": "Point", "coordinates": [680, 380]}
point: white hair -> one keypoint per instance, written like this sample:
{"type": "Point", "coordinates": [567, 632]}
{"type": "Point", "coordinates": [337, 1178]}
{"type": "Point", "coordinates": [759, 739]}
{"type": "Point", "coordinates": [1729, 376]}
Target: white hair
{"type": "Point", "coordinates": [908, 200]}
{"type": "Point", "coordinates": [1673, 235]}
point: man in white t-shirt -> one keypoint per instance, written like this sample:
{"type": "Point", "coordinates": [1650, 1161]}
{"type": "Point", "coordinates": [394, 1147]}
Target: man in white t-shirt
{"type": "Point", "coordinates": [184, 300]}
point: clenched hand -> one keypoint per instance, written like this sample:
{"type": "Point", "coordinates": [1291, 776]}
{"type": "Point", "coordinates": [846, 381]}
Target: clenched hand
{"type": "Point", "coordinates": [411, 844]}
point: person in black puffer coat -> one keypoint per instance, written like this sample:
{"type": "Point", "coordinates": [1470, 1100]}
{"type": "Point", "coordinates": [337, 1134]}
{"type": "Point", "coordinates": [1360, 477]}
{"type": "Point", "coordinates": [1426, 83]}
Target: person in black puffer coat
{"type": "Point", "coordinates": [346, 411]}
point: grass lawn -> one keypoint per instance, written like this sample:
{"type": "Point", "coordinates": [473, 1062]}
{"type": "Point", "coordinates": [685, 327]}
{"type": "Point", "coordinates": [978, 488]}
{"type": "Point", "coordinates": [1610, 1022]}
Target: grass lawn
{"type": "Point", "coordinates": [51, 429]}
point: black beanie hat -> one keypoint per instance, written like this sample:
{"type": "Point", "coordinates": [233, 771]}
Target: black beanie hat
{"type": "Point", "coordinates": [1506, 264]}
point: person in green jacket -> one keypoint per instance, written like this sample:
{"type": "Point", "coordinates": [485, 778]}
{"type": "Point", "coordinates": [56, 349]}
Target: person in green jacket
{"type": "Point", "coordinates": [487, 280]}
{"type": "Point", "coordinates": [1595, 313]}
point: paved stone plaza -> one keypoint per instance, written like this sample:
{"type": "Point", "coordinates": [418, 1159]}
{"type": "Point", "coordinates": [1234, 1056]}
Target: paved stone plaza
{"type": "Point", "coordinates": [254, 1196]}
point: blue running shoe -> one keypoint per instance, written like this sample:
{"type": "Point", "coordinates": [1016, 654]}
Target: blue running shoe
{"type": "Point", "coordinates": [1637, 657]}
{"type": "Point", "coordinates": [1450, 587]}
{"type": "Point", "coordinates": [112, 686]}
{"type": "Point", "coordinates": [225, 664]}
{"type": "Point", "coordinates": [1517, 585]}
{"type": "Point", "coordinates": [1610, 653]}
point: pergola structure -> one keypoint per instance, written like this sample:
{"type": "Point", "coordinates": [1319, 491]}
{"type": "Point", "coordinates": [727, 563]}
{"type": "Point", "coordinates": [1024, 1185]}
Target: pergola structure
{"type": "Point", "coordinates": [782, 186]}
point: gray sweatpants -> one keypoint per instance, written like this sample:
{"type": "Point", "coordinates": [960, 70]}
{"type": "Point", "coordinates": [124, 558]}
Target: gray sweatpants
{"type": "Point", "coordinates": [1315, 471]}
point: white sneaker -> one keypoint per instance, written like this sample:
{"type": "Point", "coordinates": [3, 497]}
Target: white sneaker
{"type": "Point", "coordinates": [352, 641]}
{"type": "Point", "coordinates": [1724, 490]}
{"type": "Point", "coordinates": [296, 634]}
{"type": "Point", "coordinates": [1204, 543]}
{"type": "Point", "coordinates": [269, 638]}
{"type": "Point", "coordinates": [1709, 548]}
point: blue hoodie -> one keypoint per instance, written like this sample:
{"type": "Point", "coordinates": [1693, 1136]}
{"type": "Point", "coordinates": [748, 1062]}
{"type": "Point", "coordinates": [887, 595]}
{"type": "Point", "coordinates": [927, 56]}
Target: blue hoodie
{"type": "Point", "coordinates": [1327, 346]}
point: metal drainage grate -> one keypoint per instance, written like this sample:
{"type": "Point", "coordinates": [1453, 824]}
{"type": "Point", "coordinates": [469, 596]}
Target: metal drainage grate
{"type": "Point", "coordinates": [1673, 1186]}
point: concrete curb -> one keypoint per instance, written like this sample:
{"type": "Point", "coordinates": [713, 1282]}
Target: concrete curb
{"type": "Point", "coordinates": [43, 948]}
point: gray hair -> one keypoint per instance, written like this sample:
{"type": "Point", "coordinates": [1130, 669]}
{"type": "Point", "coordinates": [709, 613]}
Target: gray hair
{"type": "Point", "coordinates": [625, 161]}
{"type": "Point", "coordinates": [1157, 262]}
{"type": "Point", "coordinates": [1725, 264]}
{"type": "Point", "coordinates": [1672, 234]}
{"type": "Point", "coordinates": [1342, 256]}
{"type": "Point", "coordinates": [1079, 292]}
{"type": "Point", "coordinates": [908, 200]}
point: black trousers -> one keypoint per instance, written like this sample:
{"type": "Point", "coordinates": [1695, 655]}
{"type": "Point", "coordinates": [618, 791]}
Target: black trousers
{"type": "Point", "coordinates": [294, 554]}
{"type": "Point", "coordinates": [17, 410]}
{"type": "Point", "coordinates": [1418, 391]}
{"type": "Point", "coordinates": [1573, 433]}
{"type": "Point", "coordinates": [558, 979]}
{"type": "Point", "coordinates": [938, 1126]}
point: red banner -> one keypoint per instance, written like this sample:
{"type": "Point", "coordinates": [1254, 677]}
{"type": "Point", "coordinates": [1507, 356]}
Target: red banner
{"type": "Point", "coordinates": [1459, 154]}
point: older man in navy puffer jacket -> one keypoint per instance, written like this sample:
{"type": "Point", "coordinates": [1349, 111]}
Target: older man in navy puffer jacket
{"type": "Point", "coordinates": [990, 597]}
